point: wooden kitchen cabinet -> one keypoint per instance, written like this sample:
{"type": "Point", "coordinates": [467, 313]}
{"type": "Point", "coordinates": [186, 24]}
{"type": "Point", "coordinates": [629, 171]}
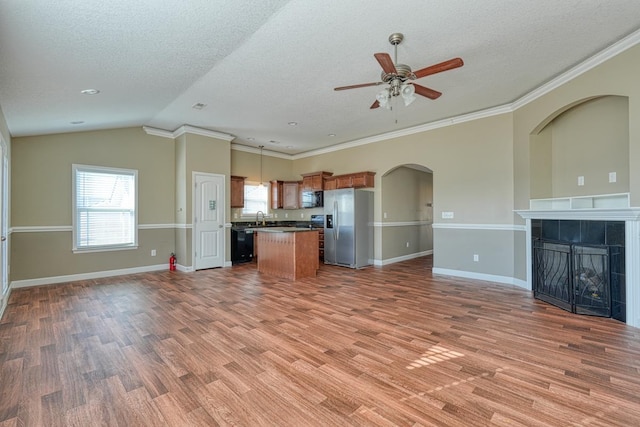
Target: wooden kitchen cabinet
{"type": "Point", "coordinates": [362, 179]}
{"type": "Point", "coordinates": [277, 198]}
{"type": "Point", "coordinates": [314, 181]}
{"type": "Point", "coordinates": [291, 195]}
{"type": "Point", "coordinates": [350, 180]}
{"type": "Point", "coordinates": [237, 191]}
{"type": "Point", "coordinates": [331, 183]}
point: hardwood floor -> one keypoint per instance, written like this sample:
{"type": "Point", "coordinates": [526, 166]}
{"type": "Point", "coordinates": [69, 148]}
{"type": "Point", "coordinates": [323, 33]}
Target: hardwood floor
{"type": "Point", "coordinates": [388, 346]}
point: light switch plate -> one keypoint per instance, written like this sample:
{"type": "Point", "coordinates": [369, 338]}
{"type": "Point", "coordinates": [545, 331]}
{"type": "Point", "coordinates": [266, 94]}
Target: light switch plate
{"type": "Point", "coordinates": [447, 215]}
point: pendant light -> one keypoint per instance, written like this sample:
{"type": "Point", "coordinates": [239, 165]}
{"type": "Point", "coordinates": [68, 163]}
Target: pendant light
{"type": "Point", "coordinates": [261, 183]}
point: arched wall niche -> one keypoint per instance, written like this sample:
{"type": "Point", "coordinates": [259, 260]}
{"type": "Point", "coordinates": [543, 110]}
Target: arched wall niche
{"type": "Point", "coordinates": [407, 211]}
{"type": "Point", "coordinates": [577, 149]}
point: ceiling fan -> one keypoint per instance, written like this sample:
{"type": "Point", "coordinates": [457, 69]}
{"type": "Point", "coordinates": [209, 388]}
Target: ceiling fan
{"type": "Point", "coordinates": [397, 76]}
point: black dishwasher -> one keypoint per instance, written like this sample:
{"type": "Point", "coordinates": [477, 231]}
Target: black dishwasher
{"type": "Point", "coordinates": [241, 245]}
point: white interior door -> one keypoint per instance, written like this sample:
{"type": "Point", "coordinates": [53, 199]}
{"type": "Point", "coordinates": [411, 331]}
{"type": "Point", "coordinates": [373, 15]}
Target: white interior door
{"type": "Point", "coordinates": [208, 220]}
{"type": "Point", "coordinates": [4, 228]}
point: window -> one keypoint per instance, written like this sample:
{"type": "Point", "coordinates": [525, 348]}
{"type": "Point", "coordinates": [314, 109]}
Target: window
{"type": "Point", "coordinates": [256, 198]}
{"type": "Point", "coordinates": [104, 208]}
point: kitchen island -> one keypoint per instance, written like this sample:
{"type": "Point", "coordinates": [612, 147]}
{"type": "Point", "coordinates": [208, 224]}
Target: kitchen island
{"type": "Point", "coordinates": [288, 252]}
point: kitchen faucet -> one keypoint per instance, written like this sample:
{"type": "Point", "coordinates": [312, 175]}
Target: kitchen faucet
{"type": "Point", "coordinates": [257, 214]}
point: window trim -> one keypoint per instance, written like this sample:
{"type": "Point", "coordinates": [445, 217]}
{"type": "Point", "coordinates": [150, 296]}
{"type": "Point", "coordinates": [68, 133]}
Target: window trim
{"type": "Point", "coordinates": [102, 248]}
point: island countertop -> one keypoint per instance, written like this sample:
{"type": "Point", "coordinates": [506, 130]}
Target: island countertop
{"type": "Point", "coordinates": [282, 229]}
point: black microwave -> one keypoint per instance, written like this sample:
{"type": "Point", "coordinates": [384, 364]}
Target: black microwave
{"type": "Point", "coordinates": [312, 199]}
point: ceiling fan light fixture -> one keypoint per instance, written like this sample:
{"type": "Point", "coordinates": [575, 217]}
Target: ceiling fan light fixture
{"type": "Point", "coordinates": [407, 93]}
{"type": "Point", "coordinates": [383, 98]}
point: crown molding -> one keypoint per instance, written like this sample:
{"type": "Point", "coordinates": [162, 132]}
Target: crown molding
{"type": "Point", "coordinates": [409, 131]}
{"type": "Point", "coordinates": [158, 132]}
{"type": "Point", "coordinates": [187, 129]}
{"type": "Point", "coordinates": [590, 63]}
{"type": "Point", "coordinates": [254, 150]}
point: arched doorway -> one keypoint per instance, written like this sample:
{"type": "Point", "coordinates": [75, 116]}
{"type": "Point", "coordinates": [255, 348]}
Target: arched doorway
{"type": "Point", "coordinates": [407, 213]}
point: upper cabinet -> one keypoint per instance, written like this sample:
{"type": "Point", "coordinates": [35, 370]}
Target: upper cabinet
{"type": "Point", "coordinates": [277, 198]}
{"type": "Point", "coordinates": [291, 195]}
{"type": "Point", "coordinates": [350, 180]}
{"type": "Point", "coordinates": [237, 191]}
{"type": "Point", "coordinates": [314, 181]}
{"type": "Point", "coordinates": [285, 194]}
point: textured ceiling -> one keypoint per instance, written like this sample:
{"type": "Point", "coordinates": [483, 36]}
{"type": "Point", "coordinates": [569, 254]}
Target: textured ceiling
{"type": "Point", "coordinates": [258, 65]}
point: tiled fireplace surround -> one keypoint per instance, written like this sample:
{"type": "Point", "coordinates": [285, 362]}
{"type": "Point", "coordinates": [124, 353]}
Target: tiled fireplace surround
{"type": "Point", "coordinates": [631, 218]}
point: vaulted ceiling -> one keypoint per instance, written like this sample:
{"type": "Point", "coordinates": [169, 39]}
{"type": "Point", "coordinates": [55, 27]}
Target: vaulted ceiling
{"type": "Point", "coordinates": [251, 69]}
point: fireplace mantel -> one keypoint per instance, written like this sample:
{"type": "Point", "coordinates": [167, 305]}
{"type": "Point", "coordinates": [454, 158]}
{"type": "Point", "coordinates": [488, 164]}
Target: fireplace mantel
{"type": "Point", "coordinates": [595, 214]}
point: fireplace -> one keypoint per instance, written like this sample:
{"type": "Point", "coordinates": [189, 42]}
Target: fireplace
{"type": "Point", "coordinates": [578, 265]}
{"type": "Point", "coordinates": [607, 220]}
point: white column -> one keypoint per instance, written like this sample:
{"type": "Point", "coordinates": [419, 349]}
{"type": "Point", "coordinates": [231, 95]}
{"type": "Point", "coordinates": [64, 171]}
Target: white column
{"type": "Point", "coordinates": [632, 272]}
{"type": "Point", "coordinates": [529, 252]}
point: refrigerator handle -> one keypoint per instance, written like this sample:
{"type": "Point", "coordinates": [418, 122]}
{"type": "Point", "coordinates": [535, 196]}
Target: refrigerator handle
{"type": "Point", "coordinates": [336, 223]}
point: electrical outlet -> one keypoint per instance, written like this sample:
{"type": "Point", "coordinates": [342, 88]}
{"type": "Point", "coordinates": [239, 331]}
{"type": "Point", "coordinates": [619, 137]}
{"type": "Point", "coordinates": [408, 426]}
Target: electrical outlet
{"type": "Point", "coordinates": [286, 215]}
{"type": "Point", "coordinates": [407, 244]}
{"type": "Point", "coordinates": [301, 215]}
{"type": "Point", "coordinates": [612, 177]}
{"type": "Point", "coordinates": [476, 257]}
{"type": "Point", "coordinates": [153, 252]}
{"type": "Point", "coordinates": [235, 216]}
{"type": "Point", "coordinates": [581, 180]}
{"type": "Point", "coordinates": [447, 215]}
{"type": "Point", "coordinates": [385, 215]}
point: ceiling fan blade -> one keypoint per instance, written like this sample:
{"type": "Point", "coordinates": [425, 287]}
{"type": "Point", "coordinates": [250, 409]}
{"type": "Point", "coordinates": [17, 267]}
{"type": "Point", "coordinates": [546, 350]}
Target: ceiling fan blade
{"type": "Point", "coordinates": [385, 61]}
{"type": "Point", "coordinates": [425, 91]}
{"type": "Point", "coordinates": [358, 86]}
{"type": "Point", "coordinates": [438, 68]}
{"type": "Point", "coordinates": [374, 105]}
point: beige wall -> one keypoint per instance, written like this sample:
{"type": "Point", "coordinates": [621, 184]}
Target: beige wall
{"type": "Point", "coordinates": [559, 157]}
{"type": "Point", "coordinates": [41, 197]}
{"type": "Point", "coordinates": [472, 174]}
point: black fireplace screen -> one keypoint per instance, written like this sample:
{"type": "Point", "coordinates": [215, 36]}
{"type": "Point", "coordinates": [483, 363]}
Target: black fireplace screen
{"type": "Point", "coordinates": [573, 277]}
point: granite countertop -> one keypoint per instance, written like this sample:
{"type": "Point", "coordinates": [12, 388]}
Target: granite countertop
{"type": "Point", "coordinates": [283, 229]}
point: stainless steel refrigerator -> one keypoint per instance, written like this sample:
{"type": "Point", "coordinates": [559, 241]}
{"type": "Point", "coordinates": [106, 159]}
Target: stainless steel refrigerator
{"type": "Point", "coordinates": [348, 227]}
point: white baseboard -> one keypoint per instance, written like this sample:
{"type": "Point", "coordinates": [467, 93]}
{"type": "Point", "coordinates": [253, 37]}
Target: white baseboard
{"type": "Point", "coordinates": [85, 276]}
{"type": "Point", "coordinates": [379, 262]}
{"type": "Point", "coordinates": [190, 269]}
{"type": "Point", "coordinates": [481, 276]}
{"type": "Point", "coordinates": [184, 268]}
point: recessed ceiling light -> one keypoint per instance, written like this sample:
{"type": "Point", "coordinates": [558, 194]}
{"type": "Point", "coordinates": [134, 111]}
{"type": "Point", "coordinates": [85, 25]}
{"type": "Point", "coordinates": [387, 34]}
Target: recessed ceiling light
{"type": "Point", "coordinates": [293, 123]}
{"type": "Point", "coordinates": [198, 106]}
{"type": "Point", "coordinates": [332, 135]}
{"type": "Point", "coordinates": [77, 122]}
{"type": "Point", "coordinates": [251, 138]}
{"type": "Point", "coordinates": [90, 92]}
{"type": "Point", "coordinates": [274, 142]}
{"type": "Point", "coordinates": [289, 146]}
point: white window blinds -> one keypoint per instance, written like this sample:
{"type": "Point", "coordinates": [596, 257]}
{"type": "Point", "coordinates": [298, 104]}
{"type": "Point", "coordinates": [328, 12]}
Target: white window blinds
{"type": "Point", "coordinates": [256, 198]}
{"type": "Point", "coordinates": [104, 208]}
